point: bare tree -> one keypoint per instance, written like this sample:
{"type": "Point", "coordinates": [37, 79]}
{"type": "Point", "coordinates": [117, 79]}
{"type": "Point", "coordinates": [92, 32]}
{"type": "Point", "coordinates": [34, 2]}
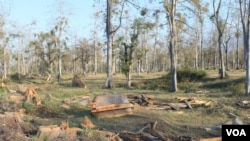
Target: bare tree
{"type": "Point", "coordinates": [245, 20]}
{"type": "Point", "coordinates": [220, 25]}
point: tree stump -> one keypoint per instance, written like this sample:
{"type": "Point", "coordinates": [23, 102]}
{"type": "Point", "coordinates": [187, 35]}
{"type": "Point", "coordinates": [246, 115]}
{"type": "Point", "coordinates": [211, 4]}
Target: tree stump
{"type": "Point", "coordinates": [76, 82]}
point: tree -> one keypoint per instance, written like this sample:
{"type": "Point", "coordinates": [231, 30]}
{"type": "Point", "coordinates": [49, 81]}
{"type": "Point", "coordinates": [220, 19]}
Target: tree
{"type": "Point", "coordinates": [245, 20]}
{"type": "Point", "coordinates": [127, 52]}
{"type": "Point", "coordinates": [57, 34]}
{"type": "Point", "coordinates": [4, 41]}
{"type": "Point", "coordinates": [84, 55]}
{"type": "Point", "coordinates": [170, 6]}
{"type": "Point", "coordinates": [220, 26]}
{"type": "Point", "coordinates": [200, 15]}
{"type": "Point", "coordinates": [45, 48]}
{"type": "Point", "coordinates": [110, 30]}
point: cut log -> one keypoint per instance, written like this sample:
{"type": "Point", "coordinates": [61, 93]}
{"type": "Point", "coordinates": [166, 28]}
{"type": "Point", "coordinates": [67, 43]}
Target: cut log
{"type": "Point", "coordinates": [51, 131]}
{"type": "Point", "coordinates": [87, 123]}
{"type": "Point", "coordinates": [114, 113]}
{"type": "Point", "coordinates": [211, 139]}
{"type": "Point", "coordinates": [111, 105]}
{"type": "Point", "coordinates": [159, 108]}
{"type": "Point", "coordinates": [188, 104]}
{"type": "Point", "coordinates": [177, 106]}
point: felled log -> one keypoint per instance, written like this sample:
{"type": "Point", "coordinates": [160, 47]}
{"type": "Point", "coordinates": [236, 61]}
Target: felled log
{"type": "Point", "coordinates": [159, 108]}
{"type": "Point", "coordinates": [177, 106]}
{"type": "Point", "coordinates": [211, 139]}
{"type": "Point", "coordinates": [17, 98]}
{"type": "Point", "coordinates": [87, 123]}
{"type": "Point", "coordinates": [110, 105]}
{"type": "Point", "coordinates": [70, 131]}
{"type": "Point", "coordinates": [193, 101]}
{"type": "Point", "coordinates": [51, 131]}
{"type": "Point", "coordinates": [244, 104]}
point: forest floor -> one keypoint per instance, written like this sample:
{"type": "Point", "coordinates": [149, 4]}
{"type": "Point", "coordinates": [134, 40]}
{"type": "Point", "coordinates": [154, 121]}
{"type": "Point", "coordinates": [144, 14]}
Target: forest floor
{"type": "Point", "coordinates": [175, 124]}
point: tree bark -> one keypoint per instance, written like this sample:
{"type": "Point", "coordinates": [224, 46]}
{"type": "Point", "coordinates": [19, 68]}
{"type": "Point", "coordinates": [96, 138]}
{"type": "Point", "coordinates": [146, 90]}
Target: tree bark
{"type": "Point", "coordinates": [245, 17]}
{"type": "Point", "coordinates": [172, 44]}
{"type": "Point", "coordinates": [108, 83]}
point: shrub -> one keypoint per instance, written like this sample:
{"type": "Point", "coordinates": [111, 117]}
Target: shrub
{"type": "Point", "coordinates": [17, 77]}
{"type": "Point", "coordinates": [238, 89]}
{"type": "Point", "coordinates": [188, 75]}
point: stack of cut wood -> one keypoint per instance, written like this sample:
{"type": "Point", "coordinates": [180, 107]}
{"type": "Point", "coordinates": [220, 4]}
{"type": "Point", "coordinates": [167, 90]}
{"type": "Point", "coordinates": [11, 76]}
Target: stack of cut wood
{"type": "Point", "coordinates": [143, 100]}
{"type": "Point", "coordinates": [110, 105]}
{"type": "Point", "coordinates": [153, 104]}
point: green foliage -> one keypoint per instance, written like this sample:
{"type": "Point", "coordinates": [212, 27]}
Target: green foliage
{"type": "Point", "coordinates": [186, 86]}
{"type": "Point", "coordinates": [161, 83]}
{"type": "Point", "coordinates": [17, 77]}
{"type": "Point", "coordinates": [88, 132]}
{"type": "Point", "coordinates": [188, 75]}
{"type": "Point", "coordinates": [1, 89]}
{"type": "Point", "coordinates": [238, 89]}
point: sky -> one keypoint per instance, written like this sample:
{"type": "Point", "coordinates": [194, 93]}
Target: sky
{"type": "Point", "coordinates": [80, 14]}
{"type": "Point", "coordinates": [43, 12]}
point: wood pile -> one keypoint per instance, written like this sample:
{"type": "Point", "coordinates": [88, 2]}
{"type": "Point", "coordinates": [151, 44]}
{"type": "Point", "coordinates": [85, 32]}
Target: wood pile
{"type": "Point", "coordinates": [110, 105]}
{"type": "Point", "coordinates": [150, 133]}
{"type": "Point", "coordinates": [182, 102]}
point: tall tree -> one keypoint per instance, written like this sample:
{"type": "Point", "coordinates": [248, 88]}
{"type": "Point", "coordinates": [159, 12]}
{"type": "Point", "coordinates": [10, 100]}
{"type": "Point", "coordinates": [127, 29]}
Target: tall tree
{"type": "Point", "coordinates": [170, 6]}
{"type": "Point", "coordinates": [220, 25]}
{"type": "Point", "coordinates": [60, 42]}
{"type": "Point", "coordinates": [110, 30]}
{"type": "Point", "coordinates": [199, 12]}
{"type": "Point", "coordinates": [128, 50]}
{"type": "Point", "coordinates": [245, 20]}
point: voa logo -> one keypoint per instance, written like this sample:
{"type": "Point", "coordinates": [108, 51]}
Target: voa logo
{"type": "Point", "coordinates": [236, 132]}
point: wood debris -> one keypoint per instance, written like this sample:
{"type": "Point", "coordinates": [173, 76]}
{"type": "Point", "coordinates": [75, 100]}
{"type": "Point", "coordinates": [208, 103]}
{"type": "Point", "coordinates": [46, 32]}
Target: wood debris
{"type": "Point", "coordinates": [148, 132]}
{"type": "Point", "coordinates": [244, 104]}
{"type": "Point", "coordinates": [152, 104]}
{"type": "Point", "coordinates": [70, 131]}
{"type": "Point", "coordinates": [110, 105]}
{"type": "Point", "coordinates": [87, 123]}
{"type": "Point", "coordinates": [50, 131]}
{"type": "Point", "coordinates": [31, 95]}
{"type": "Point", "coordinates": [211, 139]}
{"type": "Point", "coordinates": [235, 120]}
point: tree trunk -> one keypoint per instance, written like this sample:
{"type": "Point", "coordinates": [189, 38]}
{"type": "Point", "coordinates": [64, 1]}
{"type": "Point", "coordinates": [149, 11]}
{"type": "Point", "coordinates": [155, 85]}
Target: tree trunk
{"type": "Point", "coordinates": [237, 55]}
{"type": "Point", "coordinates": [172, 44]}
{"type": "Point", "coordinates": [247, 53]}
{"type": "Point", "coordinates": [201, 47]}
{"type": "Point", "coordinates": [95, 55]}
{"type": "Point", "coordinates": [108, 83]}
{"type": "Point", "coordinates": [247, 61]}
{"type": "Point", "coordinates": [138, 67]}
{"type": "Point", "coordinates": [222, 66]}
{"type": "Point", "coordinates": [4, 64]}
{"type": "Point", "coordinates": [129, 77]}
